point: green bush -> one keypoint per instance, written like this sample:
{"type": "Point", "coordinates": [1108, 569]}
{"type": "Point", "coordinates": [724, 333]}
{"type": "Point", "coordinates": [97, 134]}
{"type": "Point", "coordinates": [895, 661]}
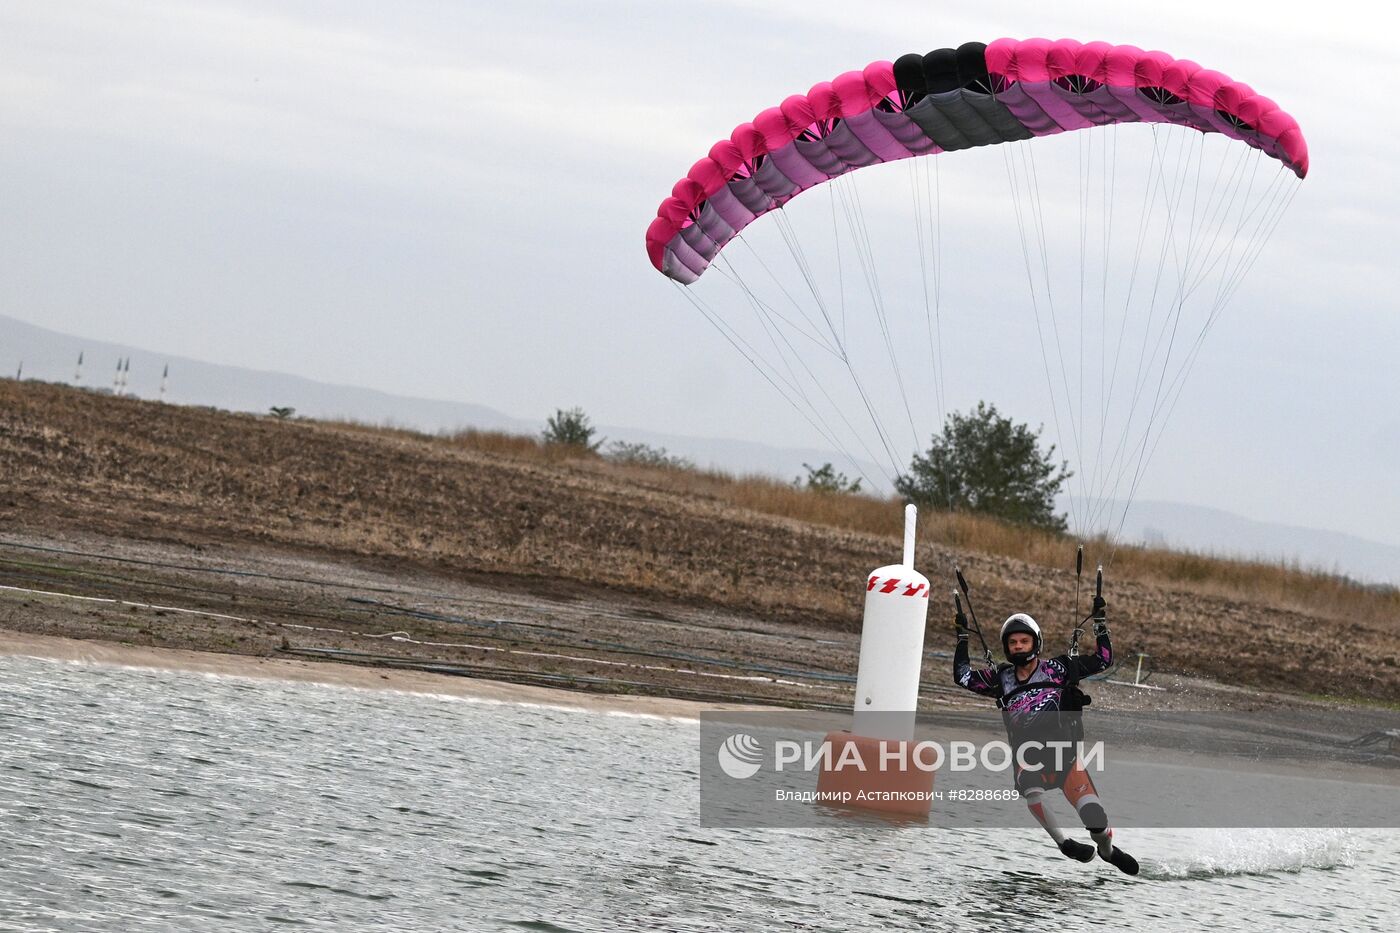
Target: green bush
{"type": "Point", "coordinates": [983, 462]}
{"type": "Point", "coordinates": [825, 479]}
{"type": "Point", "coordinates": [646, 455]}
{"type": "Point", "coordinates": [571, 428]}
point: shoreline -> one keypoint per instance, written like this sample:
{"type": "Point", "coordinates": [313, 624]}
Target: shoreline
{"type": "Point", "coordinates": [270, 612]}
{"type": "Point", "coordinates": [57, 648]}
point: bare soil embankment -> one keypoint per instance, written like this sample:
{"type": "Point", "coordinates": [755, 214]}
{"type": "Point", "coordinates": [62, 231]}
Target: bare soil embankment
{"type": "Point", "coordinates": [327, 538]}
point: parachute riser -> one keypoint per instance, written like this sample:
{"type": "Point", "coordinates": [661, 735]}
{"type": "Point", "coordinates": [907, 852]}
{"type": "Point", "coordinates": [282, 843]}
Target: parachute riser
{"type": "Point", "coordinates": [1079, 629]}
{"type": "Point", "coordinates": [1078, 578]}
{"type": "Point", "coordinates": [975, 626]}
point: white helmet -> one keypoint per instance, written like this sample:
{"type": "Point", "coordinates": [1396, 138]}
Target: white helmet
{"type": "Point", "coordinates": [1020, 622]}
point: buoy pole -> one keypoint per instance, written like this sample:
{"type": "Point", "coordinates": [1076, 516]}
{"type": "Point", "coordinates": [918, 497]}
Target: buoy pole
{"type": "Point", "coordinates": [911, 514]}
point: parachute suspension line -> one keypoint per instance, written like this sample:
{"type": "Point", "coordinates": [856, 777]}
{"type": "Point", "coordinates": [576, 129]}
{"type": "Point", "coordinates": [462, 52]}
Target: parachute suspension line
{"type": "Point", "coordinates": [1013, 182]}
{"type": "Point", "coordinates": [928, 234]}
{"type": "Point", "coordinates": [1083, 166]}
{"type": "Point", "coordinates": [727, 271]}
{"type": "Point", "coordinates": [726, 268]}
{"type": "Point", "coordinates": [799, 258]}
{"type": "Point", "coordinates": [1109, 200]}
{"type": "Point", "coordinates": [1183, 292]}
{"type": "Point", "coordinates": [753, 357]}
{"type": "Point", "coordinates": [938, 281]}
{"type": "Point", "coordinates": [1145, 212]}
{"type": "Point", "coordinates": [1106, 202]}
{"type": "Point", "coordinates": [840, 267]}
{"type": "Point", "coordinates": [1171, 191]}
{"type": "Point", "coordinates": [944, 405]}
{"type": "Point", "coordinates": [734, 276]}
{"type": "Point", "coordinates": [758, 305]}
{"type": "Point", "coordinates": [925, 243]}
{"type": "Point", "coordinates": [1148, 363]}
{"type": "Point", "coordinates": [1263, 232]}
{"type": "Point", "coordinates": [1038, 214]}
{"type": "Point", "coordinates": [1292, 186]}
{"type": "Point", "coordinates": [1219, 218]}
{"type": "Point", "coordinates": [1090, 468]}
{"type": "Point", "coordinates": [750, 352]}
{"type": "Point", "coordinates": [1159, 186]}
{"type": "Point", "coordinates": [842, 339]}
{"type": "Point", "coordinates": [881, 432]}
{"type": "Point", "coordinates": [789, 235]}
{"type": "Point", "coordinates": [860, 232]}
{"type": "Point", "coordinates": [1269, 209]}
{"type": "Point", "coordinates": [773, 332]}
{"type": "Point", "coordinates": [1081, 176]}
{"type": "Point", "coordinates": [804, 269]}
{"type": "Point", "coordinates": [1261, 206]}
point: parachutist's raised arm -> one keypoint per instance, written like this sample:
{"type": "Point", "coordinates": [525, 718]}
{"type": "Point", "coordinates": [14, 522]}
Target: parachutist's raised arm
{"type": "Point", "coordinates": [984, 682]}
{"type": "Point", "coordinates": [1102, 658]}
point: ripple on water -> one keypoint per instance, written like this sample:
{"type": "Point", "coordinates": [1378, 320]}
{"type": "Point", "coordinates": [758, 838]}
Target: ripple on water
{"type": "Point", "coordinates": [176, 801]}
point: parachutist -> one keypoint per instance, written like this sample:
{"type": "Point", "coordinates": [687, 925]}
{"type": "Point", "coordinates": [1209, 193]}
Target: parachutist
{"type": "Point", "coordinates": [1032, 693]}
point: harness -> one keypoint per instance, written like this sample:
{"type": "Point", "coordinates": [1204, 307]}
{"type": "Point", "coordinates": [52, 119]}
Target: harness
{"type": "Point", "coordinates": [1072, 698]}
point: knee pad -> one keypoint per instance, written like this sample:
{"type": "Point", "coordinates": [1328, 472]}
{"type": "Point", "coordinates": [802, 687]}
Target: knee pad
{"type": "Point", "coordinates": [1094, 818]}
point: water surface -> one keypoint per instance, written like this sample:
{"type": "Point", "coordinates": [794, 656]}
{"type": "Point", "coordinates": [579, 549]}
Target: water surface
{"type": "Point", "coordinates": [163, 800]}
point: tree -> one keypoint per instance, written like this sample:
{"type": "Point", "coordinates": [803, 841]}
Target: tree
{"type": "Point", "coordinates": [825, 479]}
{"type": "Point", "coordinates": [982, 462]}
{"type": "Point", "coordinates": [571, 428]}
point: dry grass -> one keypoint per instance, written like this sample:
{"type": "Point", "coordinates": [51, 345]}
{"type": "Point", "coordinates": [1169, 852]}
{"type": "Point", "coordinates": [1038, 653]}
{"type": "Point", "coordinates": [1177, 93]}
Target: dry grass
{"type": "Point", "coordinates": [547, 519]}
{"type": "Point", "coordinates": [1278, 583]}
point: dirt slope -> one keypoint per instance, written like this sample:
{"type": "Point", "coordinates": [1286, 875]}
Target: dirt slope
{"type": "Point", "coordinates": [120, 469]}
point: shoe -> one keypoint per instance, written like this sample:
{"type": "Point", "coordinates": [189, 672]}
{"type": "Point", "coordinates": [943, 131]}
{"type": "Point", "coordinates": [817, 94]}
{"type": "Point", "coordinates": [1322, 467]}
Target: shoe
{"type": "Point", "coordinates": [1077, 850]}
{"type": "Point", "coordinates": [1122, 861]}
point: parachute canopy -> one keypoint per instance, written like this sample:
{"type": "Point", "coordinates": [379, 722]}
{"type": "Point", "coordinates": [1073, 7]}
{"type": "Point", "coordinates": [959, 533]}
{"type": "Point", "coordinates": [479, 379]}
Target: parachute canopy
{"type": "Point", "coordinates": [949, 99]}
{"type": "Point", "coordinates": [873, 325]}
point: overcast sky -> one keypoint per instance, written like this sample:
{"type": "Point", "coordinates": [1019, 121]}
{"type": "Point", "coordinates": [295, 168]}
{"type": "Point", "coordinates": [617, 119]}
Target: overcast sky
{"type": "Point", "coordinates": [448, 200]}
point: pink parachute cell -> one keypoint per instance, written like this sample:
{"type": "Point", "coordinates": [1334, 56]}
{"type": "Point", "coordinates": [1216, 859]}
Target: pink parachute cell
{"type": "Point", "coordinates": [1004, 91]}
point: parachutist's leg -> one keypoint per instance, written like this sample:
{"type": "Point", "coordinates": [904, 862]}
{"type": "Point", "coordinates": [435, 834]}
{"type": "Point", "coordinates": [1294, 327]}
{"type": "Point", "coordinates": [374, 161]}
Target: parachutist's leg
{"type": "Point", "coordinates": [1035, 802]}
{"type": "Point", "coordinates": [1081, 792]}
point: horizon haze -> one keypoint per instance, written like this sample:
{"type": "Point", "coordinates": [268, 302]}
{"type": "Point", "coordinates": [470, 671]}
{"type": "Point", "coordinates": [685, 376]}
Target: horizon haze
{"type": "Point", "coordinates": [447, 201]}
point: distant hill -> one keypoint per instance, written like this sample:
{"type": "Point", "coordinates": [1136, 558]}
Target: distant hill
{"type": "Point", "coordinates": [1214, 531]}
{"type": "Point", "coordinates": [52, 356]}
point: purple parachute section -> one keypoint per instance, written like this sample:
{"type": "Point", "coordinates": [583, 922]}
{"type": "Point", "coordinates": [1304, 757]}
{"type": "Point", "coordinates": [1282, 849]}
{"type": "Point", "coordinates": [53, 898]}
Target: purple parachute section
{"type": "Point", "coordinates": [949, 99]}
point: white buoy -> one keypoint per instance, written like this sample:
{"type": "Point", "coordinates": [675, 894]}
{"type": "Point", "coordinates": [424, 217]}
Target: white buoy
{"type": "Point", "coordinates": [892, 645]}
{"type": "Point", "coordinates": [888, 777]}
